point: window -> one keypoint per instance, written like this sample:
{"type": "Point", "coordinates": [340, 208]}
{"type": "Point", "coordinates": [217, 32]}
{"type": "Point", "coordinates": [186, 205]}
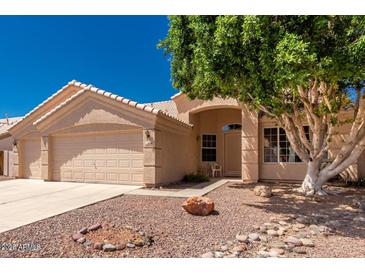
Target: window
{"type": "Point", "coordinates": [209, 148]}
{"type": "Point", "coordinates": [270, 145]}
{"type": "Point", "coordinates": [287, 153]}
{"type": "Point", "coordinates": [277, 147]}
{"type": "Point", "coordinates": [231, 127]}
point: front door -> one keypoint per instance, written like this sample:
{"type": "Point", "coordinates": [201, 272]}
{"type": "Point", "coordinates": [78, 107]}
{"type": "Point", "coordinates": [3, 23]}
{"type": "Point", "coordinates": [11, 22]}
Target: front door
{"type": "Point", "coordinates": [232, 153]}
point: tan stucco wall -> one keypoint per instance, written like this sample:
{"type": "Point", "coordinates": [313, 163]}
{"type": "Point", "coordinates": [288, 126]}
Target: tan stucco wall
{"type": "Point", "coordinates": [177, 156]}
{"type": "Point", "coordinates": [185, 107]}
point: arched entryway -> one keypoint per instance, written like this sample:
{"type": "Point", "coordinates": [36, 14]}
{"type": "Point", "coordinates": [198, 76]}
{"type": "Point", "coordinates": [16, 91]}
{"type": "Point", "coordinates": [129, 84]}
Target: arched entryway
{"type": "Point", "coordinates": [218, 132]}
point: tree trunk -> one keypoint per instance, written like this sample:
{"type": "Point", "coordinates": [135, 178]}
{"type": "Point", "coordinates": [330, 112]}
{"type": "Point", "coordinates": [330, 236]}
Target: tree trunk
{"type": "Point", "coordinates": [313, 181]}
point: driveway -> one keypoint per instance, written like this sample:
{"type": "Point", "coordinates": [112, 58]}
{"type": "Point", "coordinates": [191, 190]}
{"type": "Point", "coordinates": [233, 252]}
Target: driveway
{"type": "Point", "coordinates": [25, 201]}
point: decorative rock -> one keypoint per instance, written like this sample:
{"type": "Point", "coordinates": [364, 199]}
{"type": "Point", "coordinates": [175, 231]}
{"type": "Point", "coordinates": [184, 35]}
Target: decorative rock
{"type": "Point", "coordinates": [293, 240]}
{"type": "Point", "coordinates": [241, 238]}
{"type": "Point", "coordinates": [334, 223]}
{"type": "Point", "coordinates": [109, 247]}
{"type": "Point", "coordinates": [98, 246]}
{"type": "Point", "coordinates": [230, 256]}
{"type": "Point", "coordinates": [254, 236]}
{"type": "Point", "coordinates": [239, 248]}
{"type": "Point", "coordinates": [218, 254]}
{"type": "Point", "coordinates": [81, 240]}
{"type": "Point", "coordinates": [130, 245]}
{"type": "Point", "coordinates": [262, 229]}
{"type": "Point", "coordinates": [88, 243]}
{"type": "Point", "coordinates": [139, 242]}
{"type": "Point", "coordinates": [298, 226]}
{"type": "Point", "coordinates": [77, 236]}
{"type": "Point", "coordinates": [299, 250]}
{"type": "Point", "coordinates": [263, 254]}
{"type": "Point", "coordinates": [120, 246]}
{"type": "Point", "coordinates": [208, 255]}
{"type": "Point", "coordinates": [313, 226]}
{"type": "Point", "coordinates": [94, 227]}
{"type": "Point", "coordinates": [307, 242]}
{"type": "Point", "coordinates": [198, 205]}
{"type": "Point", "coordinates": [263, 191]}
{"type": "Point", "coordinates": [303, 220]}
{"type": "Point", "coordinates": [105, 225]}
{"type": "Point", "coordinates": [278, 244]}
{"type": "Point", "coordinates": [263, 238]}
{"type": "Point", "coordinates": [224, 248]}
{"type": "Point", "coordinates": [301, 235]}
{"type": "Point", "coordinates": [283, 223]}
{"type": "Point", "coordinates": [275, 252]}
{"type": "Point", "coordinates": [272, 232]}
{"type": "Point", "coordinates": [269, 225]}
{"type": "Point", "coordinates": [281, 232]}
{"type": "Point", "coordinates": [83, 230]}
{"type": "Point", "coordinates": [290, 246]}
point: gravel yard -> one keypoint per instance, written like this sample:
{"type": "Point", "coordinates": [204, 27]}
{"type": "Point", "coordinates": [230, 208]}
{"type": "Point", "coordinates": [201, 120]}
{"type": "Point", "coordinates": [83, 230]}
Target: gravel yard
{"type": "Point", "coordinates": [178, 234]}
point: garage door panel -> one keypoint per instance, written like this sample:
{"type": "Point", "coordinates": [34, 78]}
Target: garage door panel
{"type": "Point", "coordinates": [32, 159]}
{"type": "Point", "coordinates": [106, 159]}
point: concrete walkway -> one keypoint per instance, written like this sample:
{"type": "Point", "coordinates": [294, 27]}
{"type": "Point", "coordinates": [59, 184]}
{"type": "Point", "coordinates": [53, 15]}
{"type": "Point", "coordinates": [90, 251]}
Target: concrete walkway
{"type": "Point", "coordinates": [198, 190]}
{"type": "Point", "coordinates": [26, 201]}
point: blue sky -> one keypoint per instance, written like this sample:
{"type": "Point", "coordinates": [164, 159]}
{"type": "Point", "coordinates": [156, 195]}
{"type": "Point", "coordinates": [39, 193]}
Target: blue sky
{"type": "Point", "coordinates": [40, 54]}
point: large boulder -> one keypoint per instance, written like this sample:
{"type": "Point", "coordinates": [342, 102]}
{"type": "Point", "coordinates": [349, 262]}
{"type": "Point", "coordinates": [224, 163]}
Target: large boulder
{"type": "Point", "coordinates": [198, 205]}
{"type": "Point", "coordinates": [263, 191]}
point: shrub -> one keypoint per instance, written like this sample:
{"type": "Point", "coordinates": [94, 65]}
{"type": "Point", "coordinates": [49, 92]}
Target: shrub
{"type": "Point", "coordinates": [195, 178]}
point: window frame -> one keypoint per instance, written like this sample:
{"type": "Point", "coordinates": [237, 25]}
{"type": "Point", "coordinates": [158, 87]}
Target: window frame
{"type": "Point", "coordinates": [202, 147]}
{"type": "Point", "coordinates": [278, 148]}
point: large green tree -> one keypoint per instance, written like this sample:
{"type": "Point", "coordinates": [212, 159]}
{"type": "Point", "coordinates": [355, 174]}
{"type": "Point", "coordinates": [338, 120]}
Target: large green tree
{"type": "Point", "coordinates": [299, 70]}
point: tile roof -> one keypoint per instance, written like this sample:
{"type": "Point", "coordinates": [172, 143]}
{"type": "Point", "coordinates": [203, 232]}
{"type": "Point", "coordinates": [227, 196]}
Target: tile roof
{"type": "Point", "coordinates": [90, 88]}
{"type": "Point", "coordinates": [168, 106]}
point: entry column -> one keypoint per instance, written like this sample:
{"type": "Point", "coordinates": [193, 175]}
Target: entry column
{"type": "Point", "coordinates": [46, 169]}
{"type": "Point", "coordinates": [250, 145]}
{"type": "Point", "coordinates": [152, 157]}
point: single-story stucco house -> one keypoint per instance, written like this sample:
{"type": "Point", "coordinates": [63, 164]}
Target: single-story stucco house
{"type": "Point", "coordinates": [85, 134]}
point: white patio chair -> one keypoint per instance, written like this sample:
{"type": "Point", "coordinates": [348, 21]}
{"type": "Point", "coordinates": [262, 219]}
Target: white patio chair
{"type": "Point", "coordinates": [216, 169]}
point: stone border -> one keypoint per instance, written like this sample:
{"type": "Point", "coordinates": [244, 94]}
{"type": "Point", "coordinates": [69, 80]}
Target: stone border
{"type": "Point", "coordinates": [80, 238]}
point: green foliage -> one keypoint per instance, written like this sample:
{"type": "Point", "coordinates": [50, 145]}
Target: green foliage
{"type": "Point", "coordinates": [195, 178]}
{"type": "Point", "coordinates": [261, 60]}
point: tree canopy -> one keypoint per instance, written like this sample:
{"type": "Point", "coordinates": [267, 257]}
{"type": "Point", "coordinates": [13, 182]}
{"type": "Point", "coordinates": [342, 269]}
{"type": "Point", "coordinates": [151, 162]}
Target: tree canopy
{"type": "Point", "coordinates": [257, 58]}
{"type": "Point", "coordinates": [299, 70]}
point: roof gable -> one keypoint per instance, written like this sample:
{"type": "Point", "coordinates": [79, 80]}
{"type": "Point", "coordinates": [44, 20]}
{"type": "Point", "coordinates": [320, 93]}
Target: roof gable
{"type": "Point", "coordinates": [61, 95]}
{"type": "Point", "coordinates": [124, 101]}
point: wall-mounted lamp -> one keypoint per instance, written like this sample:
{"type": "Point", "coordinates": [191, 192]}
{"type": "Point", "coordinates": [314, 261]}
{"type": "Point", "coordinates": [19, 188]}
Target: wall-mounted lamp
{"type": "Point", "coordinates": [148, 137]}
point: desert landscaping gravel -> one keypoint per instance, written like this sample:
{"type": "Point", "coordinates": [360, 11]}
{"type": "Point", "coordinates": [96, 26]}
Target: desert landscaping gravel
{"type": "Point", "coordinates": [178, 234]}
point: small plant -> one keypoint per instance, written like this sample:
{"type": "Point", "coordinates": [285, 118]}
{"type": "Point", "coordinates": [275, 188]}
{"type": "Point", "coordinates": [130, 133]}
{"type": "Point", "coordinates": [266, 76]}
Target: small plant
{"type": "Point", "coordinates": [195, 178]}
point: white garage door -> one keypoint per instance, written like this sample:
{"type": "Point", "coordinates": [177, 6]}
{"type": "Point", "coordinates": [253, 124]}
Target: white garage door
{"type": "Point", "coordinates": [99, 158]}
{"type": "Point", "coordinates": [32, 159]}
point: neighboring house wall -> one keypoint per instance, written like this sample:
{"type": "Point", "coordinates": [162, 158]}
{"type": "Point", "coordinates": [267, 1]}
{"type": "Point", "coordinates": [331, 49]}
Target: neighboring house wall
{"type": "Point", "coordinates": [6, 145]}
{"type": "Point", "coordinates": [8, 163]}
